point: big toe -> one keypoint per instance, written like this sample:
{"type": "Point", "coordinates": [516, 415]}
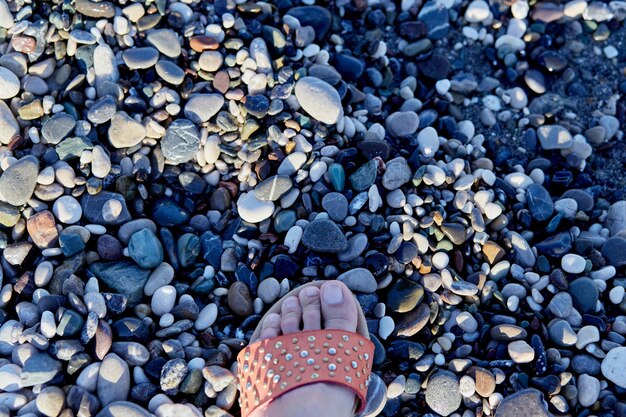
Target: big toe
{"type": "Point", "coordinates": [339, 310]}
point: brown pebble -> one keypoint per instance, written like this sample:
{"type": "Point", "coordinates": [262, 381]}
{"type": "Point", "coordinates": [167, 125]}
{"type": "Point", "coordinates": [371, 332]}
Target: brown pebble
{"type": "Point", "coordinates": [203, 43]}
{"type": "Point", "coordinates": [24, 44]}
{"type": "Point", "coordinates": [239, 299]}
{"type": "Point", "coordinates": [485, 381]}
{"type": "Point", "coordinates": [221, 82]}
{"type": "Point", "coordinates": [104, 339]}
{"type": "Point", "coordinates": [42, 229]}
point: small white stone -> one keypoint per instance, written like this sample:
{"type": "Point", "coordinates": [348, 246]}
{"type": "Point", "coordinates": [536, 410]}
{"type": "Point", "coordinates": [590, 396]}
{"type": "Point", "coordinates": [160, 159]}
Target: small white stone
{"type": "Point", "coordinates": [586, 335]}
{"type": "Point", "coordinates": [253, 210]}
{"type": "Point", "coordinates": [163, 300]}
{"type": "Point", "coordinates": [573, 264]}
{"type": "Point", "coordinates": [101, 163]}
{"type": "Point", "coordinates": [428, 142]}
{"type": "Point", "coordinates": [440, 260]}
{"type": "Point", "coordinates": [43, 273]}
{"type": "Point", "coordinates": [67, 209]}
{"type": "Point", "coordinates": [610, 51]}
{"type": "Point", "coordinates": [442, 86]}
{"type": "Point", "coordinates": [47, 325]}
{"type": "Point", "coordinates": [467, 322]}
{"type": "Point", "coordinates": [293, 237]}
{"type": "Point", "coordinates": [206, 317]}
{"type": "Point", "coordinates": [386, 326]}
{"type": "Point", "coordinates": [166, 320]}
{"type": "Point", "coordinates": [616, 295]}
{"type": "Point", "coordinates": [477, 11]}
{"type": "Point", "coordinates": [269, 290]}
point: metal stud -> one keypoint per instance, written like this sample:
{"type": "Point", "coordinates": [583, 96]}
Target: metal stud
{"type": "Point", "coordinates": [311, 338]}
{"type": "Point", "coordinates": [329, 336]}
{"type": "Point", "coordinates": [332, 351]}
{"type": "Point", "coordinates": [366, 356]}
{"type": "Point", "coordinates": [281, 368]}
{"type": "Point", "coordinates": [332, 374]}
{"type": "Point", "coordinates": [249, 385]}
{"type": "Point", "coordinates": [304, 354]}
{"type": "Point", "coordinates": [268, 357]}
{"type": "Point", "coordinates": [318, 351]}
{"type": "Point", "coordinates": [346, 368]}
{"type": "Point", "coordinates": [294, 340]}
{"type": "Point", "coordinates": [361, 343]}
{"type": "Point", "coordinates": [246, 355]}
{"type": "Point", "coordinates": [289, 373]}
{"type": "Point", "coordinates": [354, 348]}
{"type": "Point", "coordinates": [311, 345]}
{"type": "Point", "coordinates": [288, 357]}
{"type": "Point", "coordinates": [358, 374]}
{"type": "Point", "coordinates": [270, 373]}
{"type": "Point", "coordinates": [261, 349]}
{"type": "Point", "coordinates": [276, 378]}
{"type": "Point", "coordinates": [326, 345]}
{"type": "Point", "coordinates": [348, 379]}
{"type": "Point", "coordinates": [339, 360]}
{"type": "Point", "coordinates": [361, 386]}
{"type": "Point", "coordinates": [332, 367]}
{"type": "Point", "coordinates": [246, 367]}
{"type": "Point", "coordinates": [283, 385]}
{"type": "Point", "coordinates": [325, 359]}
{"type": "Point", "coordinates": [278, 345]}
{"type": "Point", "coordinates": [340, 345]}
{"type": "Point", "coordinates": [315, 376]}
{"type": "Point", "coordinates": [275, 361]}
{"type": "Point", "coordinates": [345, 338]}
{"type": "Point", "coordinates": [296, 348]}
{"type": "Point", "coordinates": [347, 352]}
{"type": "Point", "coordinates": [317, 367]}
{"type": "Point", "coordinates": [354, 364]}
{"type": "Point", "coordinates": [298, 378]}
{"type": "Point", "coordinates": [302, 369]}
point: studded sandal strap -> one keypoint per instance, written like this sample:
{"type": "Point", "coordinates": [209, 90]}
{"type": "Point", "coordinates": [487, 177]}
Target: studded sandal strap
{"type": "Point", "coordinates": [272, 367]}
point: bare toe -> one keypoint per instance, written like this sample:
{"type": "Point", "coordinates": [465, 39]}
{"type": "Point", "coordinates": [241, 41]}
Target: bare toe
{"type": "Point", "coordinates": [290, 315]}
{"type": "Point", "coordinates": [338, 307]}
{"type": "Point", "coordinates": [311, 308]}
{"type": "Point", "coordinates": [270, 327]}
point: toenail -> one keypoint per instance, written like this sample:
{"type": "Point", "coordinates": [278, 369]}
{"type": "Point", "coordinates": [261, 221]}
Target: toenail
{"type": "Point", "coordinates": [291, 303]}
{"type": "Point", "coordinates": [310, 291]}
{"type": "Point", "coordinates": [332, 294]}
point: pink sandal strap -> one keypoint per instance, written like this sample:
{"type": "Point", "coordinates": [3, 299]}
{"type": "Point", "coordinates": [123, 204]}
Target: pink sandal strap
{"type": "Point", "coordinates": [272, 367]}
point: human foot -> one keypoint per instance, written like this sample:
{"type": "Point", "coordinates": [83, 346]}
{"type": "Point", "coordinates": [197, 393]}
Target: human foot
{"type": "Point", "coordinates": [332, 306]}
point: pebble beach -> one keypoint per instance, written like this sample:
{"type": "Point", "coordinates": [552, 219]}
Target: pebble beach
{"type": "Point", "coordinates": [170, 169]}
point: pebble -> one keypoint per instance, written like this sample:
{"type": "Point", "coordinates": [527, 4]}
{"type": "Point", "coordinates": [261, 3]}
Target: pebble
{"type": "Point", "coordinates": [443, 394]}
{"type": "Point", "coordinates": [253, 210]}
{"type": "Point", "coordinates": [9, 84]}
{"type": "Point", "coordinates": [319, 99]}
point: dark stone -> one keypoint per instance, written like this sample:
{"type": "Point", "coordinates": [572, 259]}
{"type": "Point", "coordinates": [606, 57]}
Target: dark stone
{"type": "Point", "coordinates": [539, 202]}
{"type": "Point", "coordinates": [324, 236]}
{"type": "Point", "coordinates": [93, 204]}
{"type": "Point", "coordinates": [122, 277]}
{"type": "Point", "coordinates": [614, 251]}
{"type": "Point", "coordinates": [584, 295]}
{"type": "Point", "coordinates": [528, 402]}
{"type": "Point", "coordinates": [404, 295]}
{"type": "Point", "coordinates": [317, 17]}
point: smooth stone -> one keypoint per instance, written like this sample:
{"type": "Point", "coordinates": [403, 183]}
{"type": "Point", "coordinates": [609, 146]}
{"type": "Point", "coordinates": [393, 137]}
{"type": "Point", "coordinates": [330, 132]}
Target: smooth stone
{"type": "Point", "coordinates": [9, 84]}
{"type": "Point", "coordinates": [201, 107]}
{"type": "Point", "coordinates": [588, 390]}
{"type": "Point", "coordinates": [253, 210]}
{"type": "Point", "coordinates": [613, 366]}
{"type": "Point", "coordinates": [324, 236]}
{"type": "Point", "coordinates": [57, 128]}
{"type": "Point", "coordinates": [404, 296]}
{"type": "Point", "coordinates": [521, 352]}
{"type": "Point", "coordinates": [239, 299]}
{"type": "Point", "coordinates": [443, 394]}
{"type": "Point", "coordinates": [356, 246]}
{"type": "Point", "coordinates": [573, 264]}
{"type": "Point", "coordinates": [562, 334]}
{"type": "Point", "coordinates": [102, 110]}
{"type": "Point", "coordinates": [163, 300]}
{"type": "Point", "coordinates": [39, 369]}
{"type": "Point", "coordinates": [584, 294]}
{"type": "Point", "coordinates": [124, 131]}
{"type": "Point", "coordinates": [539, 202]}
{"type": "Point", "coordinates": [273, 188]}
{"type": "Point", "coordinates": [140, 58]}
{"type": "Point", "coordinates": [477, 11]}
{"type": "Point", "coordinates": [402, 124]}
{"type": "Point", "coordinates": [181, 141]}
{"type": "Point", "coordinates": [614, 251]}
{"type": "Point", "coordinates": [18, 181]}
{"type": "Point", "coordinates": [145, 248]}
{"type": "Point", "coordinates": [319, 99]}
{"type": "Point", "coordinates": [123, 278]}
{"type": "Point", "coordinates": [397, 173]}
{"type": "Point", "coordinates": [292, 163]}
{"type": "Point", "coordinates": [359, 280]}
{"type": "Point", "coordinates": [616, 217]}
{"type": "Point", "coordinates": [554, 137]}
{"type": "Point", "coordinates": [561, 305]}
{"type": "Point", "coordinates": [8, 124]}
{"type": "Point", "coordinates": [6, 18]}
{"type": "Point", "coordinates": [50, 401]}
{"type": "Point", "coordinates": [113, 380]}
{"type": "Point", "coordinates": [414, 321]}
{"type": "Point", "coordinates": [336, 205]}
{"type": "Point", "coordinates": [269, 290]}
{"type": "Point", "coordinates": [105, 208]}
{"type": "Point", "coordinates": [317, 17]}
{"type": "Point", "coordinates": [524, 403]}
{"type": "Point", "coordinates": [123, 409]}
{"type": "Point", "coordinates": [363, 178]}
{"type": "Point", "coordinates": [166, 41]}
{"type": "Point", "coordinates": [170, 72]}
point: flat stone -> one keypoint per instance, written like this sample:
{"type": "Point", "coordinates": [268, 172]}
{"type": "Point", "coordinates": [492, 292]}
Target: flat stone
{"type": "Point", "coordinates": [253, 210]}
{"type": "Point", "coordinates": [122, 277]}
{"type": "Point", "coordinates": [170, 72]}
{"type": "Point", "coordinates": [140, 58]}
{"type": "Point", "coordinates": [397, 173]}
{"type": "Point", "coordinates": [336, 205]}
{"type": "Point", "coordinates": [42, 229]}
{"type": "Point", "coordinates": [404, 296]}
{"type": "Point", "coordinates": [105, 208]}
{"type": "Point", "coordinates": [528, 402]}
{"type": "Point", "coordinates": [123, 409]}
{"type": "Point", "coordinates": [239, 299]}
{"type": "Point", "coordinates": [6, 18]}
{"type": "Point", "coordinates": [315, 16]}
{"type": "Point", "coordinates": [57, 128]}
{"type": "Point", "coordinates": [166, 41]}
{"type": "Point", "coordinates": [8, 124]}
{"type": "Point", "coordinates": [539, 202]}
{"type": "Point", "coordinates": [616, 218]}
{"type": "Point", "coordinates": [359, 279]}
{"type": "Point", "coordinates": [9, 84]}
{"type": "Point", "coordinates": [39, 369]}
{"type": "Point", "coordinates": [614, 251]}
{"type": "Point", "coordinates": [613, 366]}
{"type": "Point", "coordinates": [124, 131]}
{"type": "Point", "coordinates": [554, 137]}
{"type": "Point", "coordinates": [181, 142]}
{"type": "Point", "coordinates": [319, 99]}
{"type": "Point", "coordinates": [201, 107]}
{"type": "Point", "coordinates": [145, 249]}
{"type": "Point", "coordinates": [584, 295]}
{"type": "Point", "coordinates": [442, 393]}
{"type": "Point", "coordinates": [324, 236]}
{"type": "Point", "coordinates": [17, 182]}
{"type": "Point", "coordinates": [402, 124]}
{"type": "Point", "coordinates": [273, 188]}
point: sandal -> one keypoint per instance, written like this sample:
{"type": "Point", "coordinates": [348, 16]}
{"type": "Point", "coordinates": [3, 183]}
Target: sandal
{"type": "Point", "coordinates": [272, 367]}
